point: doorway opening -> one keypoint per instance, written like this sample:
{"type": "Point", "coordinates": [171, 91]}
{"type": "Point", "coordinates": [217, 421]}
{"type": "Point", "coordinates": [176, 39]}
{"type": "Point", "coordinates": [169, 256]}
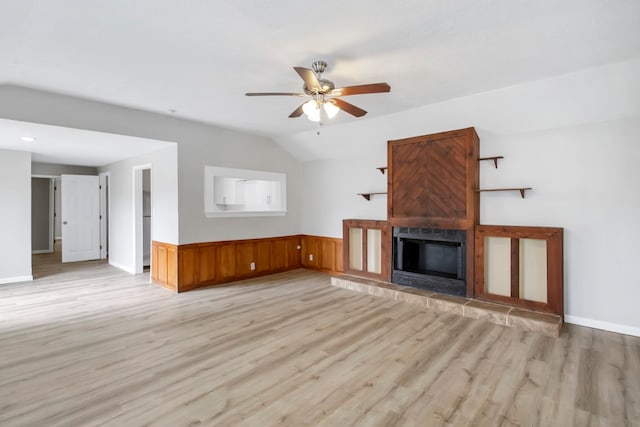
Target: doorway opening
{"type": "Point", "coordinates": [143, 216]}
{"type": "Point", "coordinates": [48, 219]}
{"type": "Point", "coordinates": [42, 214]}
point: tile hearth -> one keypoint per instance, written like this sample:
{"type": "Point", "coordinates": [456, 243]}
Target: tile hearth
{"type": "Point", "coordinates": [547, 324]}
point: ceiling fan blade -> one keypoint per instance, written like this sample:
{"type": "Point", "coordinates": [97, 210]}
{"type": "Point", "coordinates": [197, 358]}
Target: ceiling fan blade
{"type": "Point", "coordinates": [297, 112]}
{"type": "Point", "coordinates": [274, 94]}
{"type": "Point", "coordinates": [361, 89]}
{"type": "Point", "coordinates": [310, 79]}
{"type": "Point", "coordinates": [349, 108]}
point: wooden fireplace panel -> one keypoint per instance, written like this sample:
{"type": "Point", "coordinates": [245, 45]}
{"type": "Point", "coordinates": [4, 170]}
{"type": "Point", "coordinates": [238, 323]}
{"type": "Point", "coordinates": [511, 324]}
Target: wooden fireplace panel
{"type": "Point", "coordinates": [411, 198]}
{"type": "Point", "coordinates": [431, 177]}
{"type": "Point", "coordinates": [433, 180]}
{"type": "Point", "coordinates": [445, 179]}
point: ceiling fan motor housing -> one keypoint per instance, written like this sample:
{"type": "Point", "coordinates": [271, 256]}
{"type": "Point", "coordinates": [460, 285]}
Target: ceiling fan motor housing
{"type": "Point", "coordinates": [318, 67]}
{"type": "Point", "coordinates": [326, 86]}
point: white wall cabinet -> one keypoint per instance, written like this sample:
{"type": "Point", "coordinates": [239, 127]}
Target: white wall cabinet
{"type": "Point", "coordinates": [228, 191]}
{"type": "Point", "coordinates": [240, 192]}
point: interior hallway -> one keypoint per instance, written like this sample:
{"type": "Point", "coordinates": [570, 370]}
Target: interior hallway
{"type": "Point", "coordinates": [47, 265]}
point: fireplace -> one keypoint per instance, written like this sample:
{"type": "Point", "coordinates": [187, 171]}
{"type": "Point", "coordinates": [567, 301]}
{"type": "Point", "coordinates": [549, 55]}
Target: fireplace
{"type": "Point", "coordinates": [430, 259]}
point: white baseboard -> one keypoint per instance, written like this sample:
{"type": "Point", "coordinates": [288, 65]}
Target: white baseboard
{"type": "Point", "coordinates": [41, 251]}
{"type": "Point", "coordinates": [16, 279]}
{"type": "Point", "coordinates": [599, 324]}
{"type": "Point", "coordinates": [122, 267]}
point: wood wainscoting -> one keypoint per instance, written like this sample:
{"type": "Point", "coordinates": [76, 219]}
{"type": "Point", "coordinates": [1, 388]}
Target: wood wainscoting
{"type": "Point", "coordinates": [164, 265]}
{"type": "Point", "coordinates": [184, 267]}
{"type": "Point", "coordinates": [322, 254]}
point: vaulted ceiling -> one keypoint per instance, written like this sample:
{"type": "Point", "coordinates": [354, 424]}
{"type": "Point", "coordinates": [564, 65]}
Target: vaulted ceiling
{"type": "Point", "coordinates": [199, 57]}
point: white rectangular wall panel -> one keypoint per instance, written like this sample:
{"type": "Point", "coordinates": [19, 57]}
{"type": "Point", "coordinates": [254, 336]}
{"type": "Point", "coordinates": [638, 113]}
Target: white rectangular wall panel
{"type": "Point", "coordinates": [497, 265]}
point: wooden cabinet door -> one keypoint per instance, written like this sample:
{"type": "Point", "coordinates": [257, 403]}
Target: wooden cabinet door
{"type": "Point", "coordinates": [368, 251]}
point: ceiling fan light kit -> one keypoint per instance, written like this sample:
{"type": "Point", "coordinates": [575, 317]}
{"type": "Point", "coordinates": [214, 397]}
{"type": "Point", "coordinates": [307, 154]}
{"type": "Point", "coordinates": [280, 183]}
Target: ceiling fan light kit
{"type": "Point", "coordinates": [325, 97]}
{"type": "Point", "coordinates": [314, 109]}
{"type": "Point", "coordinates": [330, 108]}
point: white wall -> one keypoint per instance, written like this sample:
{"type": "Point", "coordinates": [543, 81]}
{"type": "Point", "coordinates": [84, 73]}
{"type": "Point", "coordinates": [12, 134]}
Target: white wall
{"type": "Point", "coordinates": [235, 150]}
{"type": "Point", "coordinates": [164, 199]}
{"type": "Point", "coordinates": [15, 211]}
{"type": "Point", "coordinates": [585, 179]}
{"type": "Point", "coordinates": [331, 188]}
{"type": "Point", "coordinates": [572, 138]}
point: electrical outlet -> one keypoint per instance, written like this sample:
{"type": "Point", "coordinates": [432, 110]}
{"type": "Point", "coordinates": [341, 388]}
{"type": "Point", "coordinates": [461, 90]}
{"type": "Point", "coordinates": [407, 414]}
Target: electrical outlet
{"type": "Point", "coordinates": [310, 257]}
{"type": "Point", "coordinates": [252, 266]}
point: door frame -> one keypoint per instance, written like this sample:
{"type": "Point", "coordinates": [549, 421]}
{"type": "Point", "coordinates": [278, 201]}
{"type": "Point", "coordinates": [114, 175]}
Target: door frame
{"type": "Point", "coordinates": [52, 212]}
{"type": "Point", "coordinates": [138, 221]}
{"type": "Point", "coordinates": [105, 213]}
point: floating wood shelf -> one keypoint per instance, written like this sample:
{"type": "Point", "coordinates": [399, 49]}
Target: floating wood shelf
{"type": "Point", "coordinates": [367, 196]}
{"type": "Point", "coordinates": [521, 190]}
{"type": "Point", "coordinates": [494, 158]}
{"type": "Point", "coordinates": [382, 169]}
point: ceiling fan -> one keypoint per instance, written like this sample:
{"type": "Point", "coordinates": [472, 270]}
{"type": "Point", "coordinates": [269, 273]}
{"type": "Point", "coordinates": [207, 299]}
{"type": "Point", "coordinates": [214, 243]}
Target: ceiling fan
{"type": "Point", "coordinates": [325, 97]}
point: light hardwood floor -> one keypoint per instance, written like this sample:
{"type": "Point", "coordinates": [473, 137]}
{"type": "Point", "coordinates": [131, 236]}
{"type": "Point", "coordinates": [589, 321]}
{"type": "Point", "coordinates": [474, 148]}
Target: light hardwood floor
{"type": "Point", "coordinates": [89, 345]}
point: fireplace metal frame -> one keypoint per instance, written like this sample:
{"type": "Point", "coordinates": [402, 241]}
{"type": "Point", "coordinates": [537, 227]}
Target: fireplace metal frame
{"type": "Point", "coordinates": [452, 286]}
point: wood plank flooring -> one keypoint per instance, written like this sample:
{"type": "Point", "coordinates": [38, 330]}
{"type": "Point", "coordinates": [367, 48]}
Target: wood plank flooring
{"type": "Point", "coordinates": [87, 344]}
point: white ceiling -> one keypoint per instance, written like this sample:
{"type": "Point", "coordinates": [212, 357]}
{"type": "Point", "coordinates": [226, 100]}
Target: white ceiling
{"type": "Point", "coordinates": [61, 145]}
{"type": "Point", "coordinates": [200, 57]}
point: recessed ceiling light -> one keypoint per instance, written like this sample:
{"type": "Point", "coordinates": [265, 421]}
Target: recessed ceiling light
{"type": "Point", "coordinates": [27, 138]}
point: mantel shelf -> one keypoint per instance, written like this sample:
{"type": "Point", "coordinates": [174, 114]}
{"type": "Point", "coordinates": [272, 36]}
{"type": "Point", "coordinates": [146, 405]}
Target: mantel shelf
{"type": "Point", "coordinates": [382, 169]}
{"type": "Point", "coordinates": [522, 190]}
{"type": "Point", "coordinates": [494, 158]}
{"type": "Point", "coordinates": [367, 196]}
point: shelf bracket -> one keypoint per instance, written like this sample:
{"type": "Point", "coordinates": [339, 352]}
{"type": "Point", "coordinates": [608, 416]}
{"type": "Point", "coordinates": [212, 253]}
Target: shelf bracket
{"type": "Point", "coordinates": [494, 158]}
{"type": "Point", "coordinates": [522, 190]}
{"type": "Point", "coordinates": [367, 196]}
{"type": "Point", "coordinates": [382, 169]}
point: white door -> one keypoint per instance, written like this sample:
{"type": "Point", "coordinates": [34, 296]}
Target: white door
{"type": "Point", "coordinates": [80, 217]}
